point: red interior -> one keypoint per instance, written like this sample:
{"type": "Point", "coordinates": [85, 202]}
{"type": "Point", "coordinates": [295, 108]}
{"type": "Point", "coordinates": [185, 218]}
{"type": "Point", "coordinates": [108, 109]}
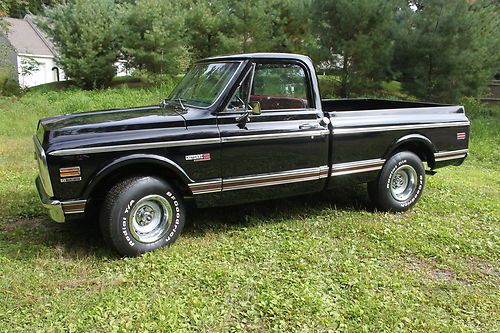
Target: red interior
{"type": "Point", "coordinates": [272, 102]}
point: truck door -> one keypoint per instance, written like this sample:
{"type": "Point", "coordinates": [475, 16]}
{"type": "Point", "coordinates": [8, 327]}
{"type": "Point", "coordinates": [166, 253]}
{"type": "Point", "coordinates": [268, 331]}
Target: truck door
{"type": "Point", "coordinates": [282, 150]}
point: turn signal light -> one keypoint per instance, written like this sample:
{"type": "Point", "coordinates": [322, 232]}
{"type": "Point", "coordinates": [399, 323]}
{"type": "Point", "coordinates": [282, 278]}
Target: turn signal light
{"type": "Point", "coordinates": [69, 172]}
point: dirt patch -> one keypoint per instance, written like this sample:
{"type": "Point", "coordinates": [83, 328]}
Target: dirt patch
{"type": "Point", "coordinates": [479, 265]}
{"type": "Point", "coordinates": [430, 269]}
{"type": "Point", "coordinates": [474, 268]}
{"type": "Point", "coordinates": [442, 274]}
{"type": "Point", "coordinates": [9, 225]}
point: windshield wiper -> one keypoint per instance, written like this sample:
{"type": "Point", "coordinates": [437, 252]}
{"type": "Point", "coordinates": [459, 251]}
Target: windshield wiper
{"type": "Point", "coordinates": [164, 103]}
{"type": "Point", "coordinates": [167, 101]}
{"type": "Point", "coordinates": [181, 104]}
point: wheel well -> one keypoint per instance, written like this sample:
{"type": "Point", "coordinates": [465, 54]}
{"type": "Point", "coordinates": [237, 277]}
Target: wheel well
{"type": "Point", "coordinates": [420, 149]}
{"type": "Point", "coordinates": [100, 190]}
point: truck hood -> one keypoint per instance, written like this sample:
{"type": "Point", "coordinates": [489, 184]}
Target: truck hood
{"type": "Point", "coordinates": [98, 127]}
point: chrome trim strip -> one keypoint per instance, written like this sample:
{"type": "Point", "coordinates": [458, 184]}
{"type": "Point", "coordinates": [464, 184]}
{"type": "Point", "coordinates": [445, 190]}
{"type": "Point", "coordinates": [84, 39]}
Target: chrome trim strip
{"type": "Point", "coordinates": [260, 180]}
{"type": "Point", "coordinates": [273, 175]}
{"type": "Point", "coordinates": [271, 179]}
{"type": "Point", "coordinates": [450, 155]}
{"type": "Point", "coordinates": [134, 146]}
{"type": "Point", "coordinates": [346, 168]}
{"type": "Point", "coordinates": [337, 131]}
{"type": "Point", "coordinates": [269, 183]}
{"type": "Point", "coordinates": [272, 136]}
{"type": "Point", "coordinates": [285, 177]}
{"type": "Point", "coordinates": [74, 207]}
{"type": "Point", "coordinates": [206, 187]}
{"type": "Point", "coordinates": [453, 157]}
{"type": "Point", "coordinates": [324, 171]}
{"type": "Point", "coordinates": [451, 152]}
{"type": "Point", "coordinates": [347, 172]}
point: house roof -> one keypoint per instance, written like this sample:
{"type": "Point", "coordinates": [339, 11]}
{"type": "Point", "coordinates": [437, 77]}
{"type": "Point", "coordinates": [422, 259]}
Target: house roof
{"type": "Point", "coordinates": [27, 38]}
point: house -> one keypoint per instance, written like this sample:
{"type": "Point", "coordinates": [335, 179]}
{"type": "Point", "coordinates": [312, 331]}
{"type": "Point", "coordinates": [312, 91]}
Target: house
{"type": "Point", "coordinates": [27, 50]}
{"type": "Point", "coordinates": [29, 53]}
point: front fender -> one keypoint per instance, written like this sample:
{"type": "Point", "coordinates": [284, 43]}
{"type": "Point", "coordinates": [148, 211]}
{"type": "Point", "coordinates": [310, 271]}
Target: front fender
{"type": "Point", "coordinates": [121, 162]}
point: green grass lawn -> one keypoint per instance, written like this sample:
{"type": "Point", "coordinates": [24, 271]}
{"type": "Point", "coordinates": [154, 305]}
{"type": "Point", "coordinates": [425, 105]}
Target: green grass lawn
{"type": "Point", "coordinates": [322, 262]}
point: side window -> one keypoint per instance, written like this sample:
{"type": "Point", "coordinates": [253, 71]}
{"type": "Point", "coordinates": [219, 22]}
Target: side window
{"type": "Point", "coordinates": [240, 98]}
{"type": "Point", "coordinates": [280, 86]}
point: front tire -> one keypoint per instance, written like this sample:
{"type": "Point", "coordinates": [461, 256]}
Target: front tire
{"type": "Point", "coordinates": [399, 184]}
{"type": "Point", "coordinates": [141, 214]}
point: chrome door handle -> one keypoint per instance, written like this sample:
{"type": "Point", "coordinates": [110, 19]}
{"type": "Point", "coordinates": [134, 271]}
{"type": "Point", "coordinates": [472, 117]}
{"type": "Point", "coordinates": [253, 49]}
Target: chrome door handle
{"type": "Point", "coordinates": [309, 126]}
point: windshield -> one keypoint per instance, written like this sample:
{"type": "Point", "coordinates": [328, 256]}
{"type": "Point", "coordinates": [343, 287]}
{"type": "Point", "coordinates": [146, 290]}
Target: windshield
{"type": "Point", "coordinates": [203, 83]}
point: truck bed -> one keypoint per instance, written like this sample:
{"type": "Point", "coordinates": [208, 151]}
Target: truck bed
{"type": "Point", "coordinates": [367, 127]}
{"type": "Point", "coordinates": [336, 105]}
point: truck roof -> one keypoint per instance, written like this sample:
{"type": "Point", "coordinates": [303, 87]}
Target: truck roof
{"type": "Point", "coordinates": [260, 55]}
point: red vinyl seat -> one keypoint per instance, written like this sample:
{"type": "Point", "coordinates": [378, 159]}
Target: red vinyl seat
{"type": "Point", "coordinates": [272, 102]}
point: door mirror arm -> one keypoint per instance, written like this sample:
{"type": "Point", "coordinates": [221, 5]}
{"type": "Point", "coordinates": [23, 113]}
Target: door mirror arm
{"type": "Point", "coordinates": [244, 118]}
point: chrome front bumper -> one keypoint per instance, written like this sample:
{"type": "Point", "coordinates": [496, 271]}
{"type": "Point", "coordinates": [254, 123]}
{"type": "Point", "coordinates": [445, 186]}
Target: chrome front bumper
{"type": "Point", "coordinates": [58, 210]}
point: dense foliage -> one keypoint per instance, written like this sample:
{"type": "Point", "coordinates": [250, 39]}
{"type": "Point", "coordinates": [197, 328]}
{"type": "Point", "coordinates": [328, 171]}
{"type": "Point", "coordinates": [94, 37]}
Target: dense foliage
{"type": "Point", "coordinates": [19, 8]}
{"type": "Point", "coordinates": [439, 50]}
{"type": "Point", "coordinates": [86, 35]}
{"type": "Point", "coordinates": [153, 36]}
{"type": "Point", "coordinates": [447, 48]}
{"type": "Point", "coordinates": [355, 40]}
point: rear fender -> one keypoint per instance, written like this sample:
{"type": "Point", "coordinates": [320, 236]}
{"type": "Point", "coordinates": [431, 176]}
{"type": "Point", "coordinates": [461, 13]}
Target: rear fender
{"type": "Point", "coordinates": [418, 143]}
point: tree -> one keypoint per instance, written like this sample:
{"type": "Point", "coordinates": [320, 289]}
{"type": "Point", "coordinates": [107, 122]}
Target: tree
{"type": "Point", "coordinates": [290, 26]}
{"type": "Point", "coordinates": [204, 28]}
{"type": "Point", "coordinates": [153, 36]}
{"type": "Point", "coordinates": [246, 26]}
{"type": "Point", "coordinates": [354, 37]}
{"type": "Point", "coordinates": [264, 26]}
{"type": "Point", "coordinates": [446, 49]}
{"type": "Point", "coordinates": [85, 34]}
{"type": "Point", "coordinates": [19, 8]}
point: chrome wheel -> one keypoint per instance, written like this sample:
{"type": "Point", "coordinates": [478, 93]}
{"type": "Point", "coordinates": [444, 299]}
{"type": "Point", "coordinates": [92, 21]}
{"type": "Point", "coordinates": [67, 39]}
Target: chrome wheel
{"type": "Point", "coordinates": [403, 182]}
{"type": "Point", "coordinates": [150, 218]}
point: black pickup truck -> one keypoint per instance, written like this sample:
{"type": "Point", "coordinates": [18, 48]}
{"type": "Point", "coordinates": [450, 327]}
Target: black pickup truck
{"type": "Point", "coordinates": [237, 129]}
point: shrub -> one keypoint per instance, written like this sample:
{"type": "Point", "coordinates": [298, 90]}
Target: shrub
{"type": "Point", "coordinates": [8, 85]}
{"type": "Point", "coordinates": [474, 108]}
{"type": "Point", "coordinates": [329, 86]}
{"type": "Point", "coordinates": [85, 33]}
{"type": "Point", "coordinates": [153, 36]}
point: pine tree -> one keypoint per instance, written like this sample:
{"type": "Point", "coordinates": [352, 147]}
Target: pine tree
{"type": "Point", "coordinates": [448, 48]}
{"type": "Point", "coordinates": [84, 32]}
{"type": "Point", "coordinates": [153, 36]}
{"type": "Point", "coordinates": [355, 39]}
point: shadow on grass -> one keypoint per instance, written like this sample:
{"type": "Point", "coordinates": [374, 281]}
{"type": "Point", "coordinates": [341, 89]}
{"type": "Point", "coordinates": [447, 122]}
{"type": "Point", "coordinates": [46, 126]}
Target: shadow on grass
{"type": "Point", "coordinates": [31, 238]}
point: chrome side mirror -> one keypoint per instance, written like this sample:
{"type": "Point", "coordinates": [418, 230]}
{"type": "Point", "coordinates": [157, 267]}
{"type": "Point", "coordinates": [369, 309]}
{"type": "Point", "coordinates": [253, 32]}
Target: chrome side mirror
{"type": "Point", "coordinates": [255, 108]}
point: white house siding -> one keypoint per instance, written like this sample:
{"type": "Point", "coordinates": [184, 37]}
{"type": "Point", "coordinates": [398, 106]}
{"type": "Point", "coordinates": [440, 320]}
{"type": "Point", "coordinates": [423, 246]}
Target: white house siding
{"type": "Point", "coordinates": [43, 74]}
{"type": "Point", "coordinates": [121, 68]}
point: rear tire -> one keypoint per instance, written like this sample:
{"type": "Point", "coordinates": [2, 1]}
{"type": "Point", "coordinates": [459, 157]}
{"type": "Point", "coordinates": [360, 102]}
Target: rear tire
{"type": "Point", "coordinates": [399, 184]}
{"type": "Point", "coordinates": [141, 214]}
